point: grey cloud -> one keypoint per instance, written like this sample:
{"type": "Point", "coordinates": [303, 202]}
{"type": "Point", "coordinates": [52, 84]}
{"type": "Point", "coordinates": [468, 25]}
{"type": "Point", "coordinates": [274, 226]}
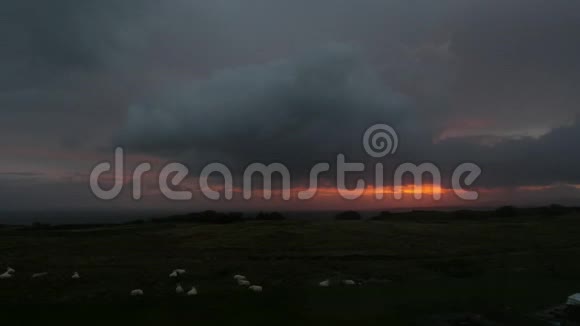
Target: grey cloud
{"type": "Point", "coordinates": [72, 69]}
{"type": "Point", "coordinates": [21, 174]}
{"type": "Point", "coordinates": [517, 63]}
{"type": "Point", "coordinates": [548, 160]}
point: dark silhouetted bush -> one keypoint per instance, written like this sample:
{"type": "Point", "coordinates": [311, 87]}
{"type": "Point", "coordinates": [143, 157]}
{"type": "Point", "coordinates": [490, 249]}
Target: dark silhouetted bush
{"type": "Point", "coordinates": [348, 216]}
{"type": "Point", "coordinates": [385, 215]}
{"type": "Point", "coordinates": [274, 216]}
{"type": "Point", "coordinates": [135, 222]}
{"type": "Point", "coordinates": [209, 217]}
{"type": "Point", "coordinates": [41, 226]}
{"type": "Point", "coordinates": [555, 210]}
{"type": "Point", "coordinates": [506, 211]}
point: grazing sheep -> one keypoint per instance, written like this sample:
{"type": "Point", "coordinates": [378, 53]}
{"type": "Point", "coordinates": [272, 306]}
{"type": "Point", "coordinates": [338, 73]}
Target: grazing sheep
{"type": "Point", "coordinates": [192, 292]}
{"type": "Point", "coordinates": [325, 283]}
{"type": "Point", "coordinates": [179, 289]}
{"type": "Point", "coordinates": [244, 283]}
{"type": "Point", "coordinates": [256, 288]}
{"type": "Point", "coordinates": [239, 277]}
{"type": "Point", "coordinates": [5, 276]}
{"type": "Point", "coordinates": [39, 275]}
{"type": "Point", "coordinates": [574, 300]}
{"type": "Point", "coordinates": [137, 292]}
{"type": "Point", "coordinates": [349, 282]}
{"type": "Point", "coordinates": [76, 276]}
{"type": "Point", "coordinates": [177, 272]}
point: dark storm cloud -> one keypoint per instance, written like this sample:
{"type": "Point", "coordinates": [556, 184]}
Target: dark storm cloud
{"type": "Point", "coordinates": [309, 109]}
{"type": "Point", "coordinates": [303, 109]}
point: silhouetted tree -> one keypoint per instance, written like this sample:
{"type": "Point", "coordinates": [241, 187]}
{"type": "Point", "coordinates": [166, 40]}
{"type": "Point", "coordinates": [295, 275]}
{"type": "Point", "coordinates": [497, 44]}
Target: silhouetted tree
{"type": "Point", "coordinates": [274, 216]}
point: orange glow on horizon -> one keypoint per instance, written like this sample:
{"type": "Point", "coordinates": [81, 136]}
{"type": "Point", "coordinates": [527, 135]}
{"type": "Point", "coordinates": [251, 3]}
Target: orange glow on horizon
{"type": "Point", "coordinates": [369, 191]}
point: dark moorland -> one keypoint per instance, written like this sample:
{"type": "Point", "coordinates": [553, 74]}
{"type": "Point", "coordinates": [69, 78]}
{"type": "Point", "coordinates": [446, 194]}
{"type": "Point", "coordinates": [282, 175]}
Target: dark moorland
{"type": "Point", "coordinates": [503, 266]}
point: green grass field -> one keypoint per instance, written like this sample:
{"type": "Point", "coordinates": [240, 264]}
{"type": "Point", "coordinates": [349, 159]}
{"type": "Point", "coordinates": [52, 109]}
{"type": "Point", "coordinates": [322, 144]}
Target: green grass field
{"type": "Point", "coordinates": [503, 269]}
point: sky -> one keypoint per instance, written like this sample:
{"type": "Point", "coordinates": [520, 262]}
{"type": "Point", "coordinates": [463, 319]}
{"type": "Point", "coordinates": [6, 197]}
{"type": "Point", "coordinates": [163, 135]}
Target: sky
{"type": "Point", "coordinates": [492, 82]}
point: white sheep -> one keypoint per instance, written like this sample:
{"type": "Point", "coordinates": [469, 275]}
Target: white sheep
{"type": "Point", "coordinates": [324, 284]}
{"type": "Point", "coordinates": [179, 289]}
{"type": "Point", "coordinates": [177, 272]}
{"type": "Point", "coordinates": [239, 277]}
{"type": "Point", "coordinates": [255, 288]}
{"type": "Point", "coordinates": [244, 283]}
{"type": "Point", "coordinates": [76, 276]}
{"type": "Point", "coordinates": [574, 300]}
{"type": "Point", "coordinates": [39, 275]}
{"type": "Point", "coordinates": [7, 274]}
{"type": "Point", "coordinates": [192, 292]}
{"type": "Point", "coordinates": [137, 292]}
{"type": "Point", "coordinates": [349, 282]}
